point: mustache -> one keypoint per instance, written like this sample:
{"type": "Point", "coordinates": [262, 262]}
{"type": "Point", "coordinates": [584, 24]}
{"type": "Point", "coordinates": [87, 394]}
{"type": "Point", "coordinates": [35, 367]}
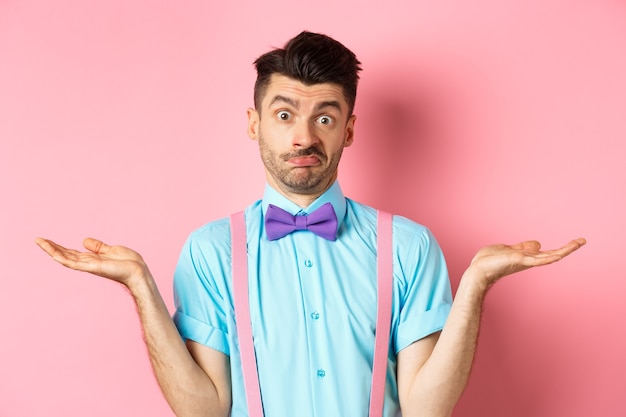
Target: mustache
{"type": "Point", "coordinates": [312, 151]}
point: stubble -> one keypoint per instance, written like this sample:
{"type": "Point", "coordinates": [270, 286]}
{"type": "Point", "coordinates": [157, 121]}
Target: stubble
{"type": "Point", "coordinates": [300, 180]}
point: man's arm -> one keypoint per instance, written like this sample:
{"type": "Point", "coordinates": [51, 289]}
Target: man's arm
{"type": "Point", "coordinates": [433, 372]}
{"type": "Point", "coordinates": [194, 379]}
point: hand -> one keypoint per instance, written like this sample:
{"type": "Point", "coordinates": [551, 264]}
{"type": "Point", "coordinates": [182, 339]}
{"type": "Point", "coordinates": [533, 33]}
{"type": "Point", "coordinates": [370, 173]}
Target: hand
{"type": "Point", "coordinates": [496, 261]}
{"type": "Point", "coordinates": [117, 263]}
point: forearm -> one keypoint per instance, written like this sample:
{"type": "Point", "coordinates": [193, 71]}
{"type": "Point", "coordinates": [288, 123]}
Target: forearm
{"type": "Point", "coordinates": [185, 385]}
{"type": "Point", "coordinates": [441, 380]}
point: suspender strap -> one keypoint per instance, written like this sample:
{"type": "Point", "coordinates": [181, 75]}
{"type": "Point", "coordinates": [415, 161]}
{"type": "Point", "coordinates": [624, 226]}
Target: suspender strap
{"type": "Point", "coordinates": [383, 320]}
{"type": "Point", "coordinates": [239, 253]}
{"type": "Point", "coordinates": [244, 324]}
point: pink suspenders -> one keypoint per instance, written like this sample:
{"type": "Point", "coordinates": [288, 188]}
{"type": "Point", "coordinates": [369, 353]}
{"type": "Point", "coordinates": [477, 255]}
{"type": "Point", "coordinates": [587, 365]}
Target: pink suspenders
{"type": "Point", "coordinates": [239, 255]}
{"type": "Point", "coordinates": [244, 324]}
{"type": "Point", "coordinates": [383, 319]}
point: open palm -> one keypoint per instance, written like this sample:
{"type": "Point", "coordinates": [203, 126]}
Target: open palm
{"type": "Point", "coordinates": [117, 263]}
{"type": "Point", "coordinates": [496, 261]}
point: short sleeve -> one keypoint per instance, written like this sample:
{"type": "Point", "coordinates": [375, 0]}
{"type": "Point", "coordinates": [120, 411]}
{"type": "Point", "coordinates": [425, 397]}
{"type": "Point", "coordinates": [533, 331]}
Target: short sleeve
{"type": "Point", "coordinates": [421, 275]}
{"type": "Point", "coordinates": [201, 291]}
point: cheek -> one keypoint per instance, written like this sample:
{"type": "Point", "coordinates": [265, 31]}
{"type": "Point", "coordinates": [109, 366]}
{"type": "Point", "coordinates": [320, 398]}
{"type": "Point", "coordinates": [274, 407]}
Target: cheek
{"type": "Point", "coordinates": [338, 140]}
{"type": "Point", "coordinates": [274, 131]}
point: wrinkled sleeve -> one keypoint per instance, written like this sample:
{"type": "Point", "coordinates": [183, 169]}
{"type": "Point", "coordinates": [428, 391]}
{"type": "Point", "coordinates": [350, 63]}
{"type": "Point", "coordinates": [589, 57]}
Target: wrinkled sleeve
{"type": "Point", "coordinates": [201, 293]}
{"type": "Point", "coordinates": [425, 297]}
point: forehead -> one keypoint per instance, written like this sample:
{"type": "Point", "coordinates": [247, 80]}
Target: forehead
{"type": "Point", "coordinates": [303, 94]}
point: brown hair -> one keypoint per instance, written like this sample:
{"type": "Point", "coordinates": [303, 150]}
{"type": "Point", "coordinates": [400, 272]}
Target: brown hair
{"type": "Point", "coordinates": [310, 58]}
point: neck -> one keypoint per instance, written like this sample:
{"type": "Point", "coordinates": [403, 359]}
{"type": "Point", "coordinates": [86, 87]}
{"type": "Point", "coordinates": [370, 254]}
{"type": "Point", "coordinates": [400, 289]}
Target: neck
{"type": "Point", "coordinates": [303, 200]}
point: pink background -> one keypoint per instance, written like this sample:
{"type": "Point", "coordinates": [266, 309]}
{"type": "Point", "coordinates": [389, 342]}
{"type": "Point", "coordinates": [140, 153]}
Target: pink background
{"type": "Point", "coordinates": [488, 121]}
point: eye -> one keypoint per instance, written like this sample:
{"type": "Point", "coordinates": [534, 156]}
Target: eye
{"type": "Point", "coordinates": [325, 120]}
{"type": "Point", "coordinates": [283, 115]}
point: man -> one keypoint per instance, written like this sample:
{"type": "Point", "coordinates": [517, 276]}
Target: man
{"type": "Point", "coordinates": [312, 299]}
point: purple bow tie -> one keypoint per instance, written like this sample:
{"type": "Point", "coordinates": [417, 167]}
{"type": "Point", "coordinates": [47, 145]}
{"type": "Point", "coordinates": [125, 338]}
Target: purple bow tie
{"type": "Point", "coordinates": [322, 222]}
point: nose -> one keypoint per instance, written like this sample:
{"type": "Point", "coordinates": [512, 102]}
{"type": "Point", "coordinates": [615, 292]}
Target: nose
{"type": "Point", "coordinates": [304, 135]}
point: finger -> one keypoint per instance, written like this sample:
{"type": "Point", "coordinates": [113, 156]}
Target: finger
{"type": "Point", "coordinates": [531, 245]}
{"type": "Point", "coordinates": [96, 246]}
{"type": "Point", "coordinates": [528, 245]}
{"type": "Point", "coordinates": [570, 247]}
{"type": "Point", "coordinates": [51, 248]}
{"type": "Point", "coordinates": [551, 256]}
{"type": "Point", "coordinates": [540, 259]}
{"type": "Point", "coordinates": [44, 244]}
{"type": "Point", "coordinates": [67, 257]}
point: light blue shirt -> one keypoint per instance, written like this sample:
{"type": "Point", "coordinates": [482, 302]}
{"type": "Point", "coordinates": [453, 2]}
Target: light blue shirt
{"type": "Point", "coordinates": [312, 304]}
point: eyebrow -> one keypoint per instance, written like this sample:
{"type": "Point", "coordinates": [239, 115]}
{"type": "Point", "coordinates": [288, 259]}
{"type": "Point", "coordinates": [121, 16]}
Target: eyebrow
{"type": "Point", "coordinates": [296, 105]}
{"type": "Point", "coordinates": [286, 100]}
{"type": "Point", "coordinates": [330, 103]}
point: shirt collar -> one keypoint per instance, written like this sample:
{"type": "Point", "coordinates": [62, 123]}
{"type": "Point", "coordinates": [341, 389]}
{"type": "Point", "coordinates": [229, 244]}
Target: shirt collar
{"type": "Point", "coordinates": [333, 195]}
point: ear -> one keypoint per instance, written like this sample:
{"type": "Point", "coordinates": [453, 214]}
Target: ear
{"type": "Point", "coordinates": [350, 131]}
{"type": "Point", "coordinates": [253, 123]}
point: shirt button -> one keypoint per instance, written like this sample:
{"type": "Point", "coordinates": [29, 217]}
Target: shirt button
{"type": "Point", "coordinates": [308, 263]}
{"type": "Point", "coordinates": [315, 315]}
{"type": "Point", "coordinates": [321, 373]}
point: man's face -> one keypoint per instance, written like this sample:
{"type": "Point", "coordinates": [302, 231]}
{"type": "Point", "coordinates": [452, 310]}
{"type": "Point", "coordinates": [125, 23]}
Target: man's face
{"type": "Point", "coordinates": [301, 130]}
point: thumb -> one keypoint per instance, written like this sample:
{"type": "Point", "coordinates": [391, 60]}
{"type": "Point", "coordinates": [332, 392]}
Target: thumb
{"type": "Point", "coordinates": [96, 246]}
